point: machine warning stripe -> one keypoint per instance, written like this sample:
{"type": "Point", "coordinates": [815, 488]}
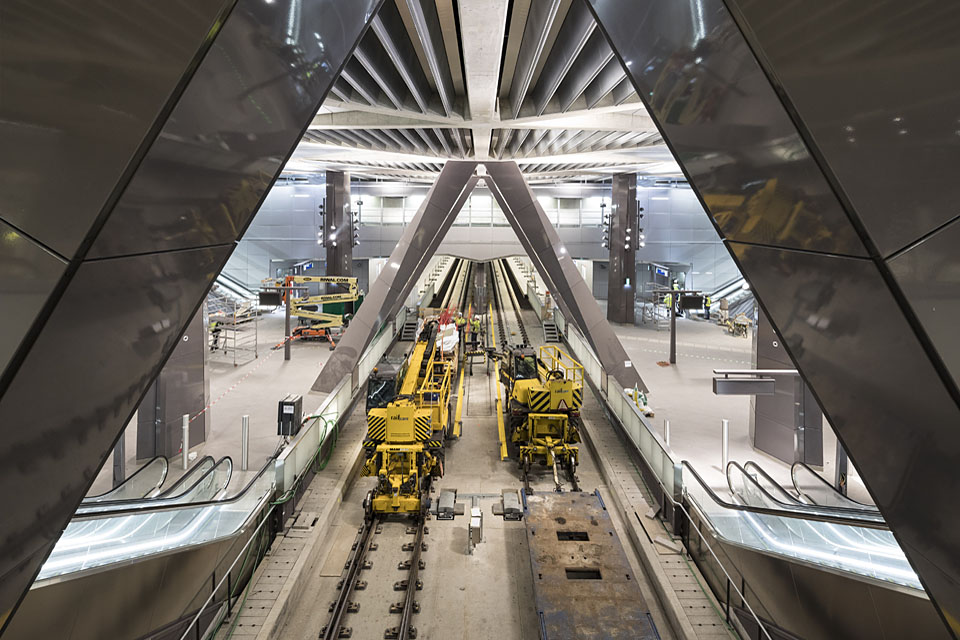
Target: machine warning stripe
{"type": "Point", "coordinates": [539, 400]}
{"type": "Point", "coordinates": [368, 444]}
{"type": "Point", "coordinates": [422, 428]}
{"type": "Point", "coordinates": [377, 427]}
{"type": "Point", "coordinates": [577, 398]}
{"type": "Point", "coordinates": [433, 444]}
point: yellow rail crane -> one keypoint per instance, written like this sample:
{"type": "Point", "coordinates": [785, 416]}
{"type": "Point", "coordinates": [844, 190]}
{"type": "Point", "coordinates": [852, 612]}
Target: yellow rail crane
{"type": "Point", "coordinates": [408, 418]}
{"type": "Point", "coordinates": [545, 394]}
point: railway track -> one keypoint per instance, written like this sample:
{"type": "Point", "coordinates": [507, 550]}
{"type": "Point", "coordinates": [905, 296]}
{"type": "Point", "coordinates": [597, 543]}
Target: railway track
{"type": "Point", "coordinates": [368, 549]}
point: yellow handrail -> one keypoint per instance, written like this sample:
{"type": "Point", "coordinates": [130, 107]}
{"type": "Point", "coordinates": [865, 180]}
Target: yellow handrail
{"type": "Point", "coordinates": [554, 358]}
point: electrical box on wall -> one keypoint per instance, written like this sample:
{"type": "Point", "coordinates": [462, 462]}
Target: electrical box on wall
{"type": "Point", "coordinates": [289, 415]}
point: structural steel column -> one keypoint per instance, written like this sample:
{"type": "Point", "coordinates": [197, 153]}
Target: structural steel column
{"type": "Point", "coordinates": [195, 113]}
{"type": "Point", "coordinates": [854, 271]}
{"type": "Point", "coordinates": [623, 249]}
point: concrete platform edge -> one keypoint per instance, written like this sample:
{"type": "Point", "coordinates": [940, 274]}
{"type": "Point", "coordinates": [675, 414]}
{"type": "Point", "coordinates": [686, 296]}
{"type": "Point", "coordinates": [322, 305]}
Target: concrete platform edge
{"type": "Point", "coordinates": [289, 596]}
{"type": "Point", "coordinates": [672, 607]}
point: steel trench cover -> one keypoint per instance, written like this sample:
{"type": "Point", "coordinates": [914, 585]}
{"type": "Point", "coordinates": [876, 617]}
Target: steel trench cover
{"type": "Point", "coordinates": [583, 584]}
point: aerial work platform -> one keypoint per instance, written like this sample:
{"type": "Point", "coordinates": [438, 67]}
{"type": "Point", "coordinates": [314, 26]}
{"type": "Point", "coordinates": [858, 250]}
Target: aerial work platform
{"type": "Point", "coordinates": [583, 584]}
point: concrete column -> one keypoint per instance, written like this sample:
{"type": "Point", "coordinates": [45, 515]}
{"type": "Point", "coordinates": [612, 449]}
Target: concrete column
{"type": "Point", "coordinates": [338, 225]}
{"type": "Point", "coordinates": [623, 244]}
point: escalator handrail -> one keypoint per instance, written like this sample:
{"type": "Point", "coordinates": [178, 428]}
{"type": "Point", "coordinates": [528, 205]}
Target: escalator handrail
{"type": "Point", "coordinates": [269, 466]}
{"type": "Point", "coordinates": [169, 492]}
{"type": "Point", "coordinates": [806, 509]}
{"type": "Point", "coordinates": [163, 477]}
{"type": "Point", "coordinates": [796, 486]}
{"type": "Point", "coordinates": [750, 464]}
{"type": "Point", "coordinates": [105, 507]}
{"type": "Point", "coordinates": [867, 524]}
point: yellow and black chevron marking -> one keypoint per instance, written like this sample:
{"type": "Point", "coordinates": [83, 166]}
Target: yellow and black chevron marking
{"type": "Point", "coordinates": [422, 428]}
{"type": "Point", "coordinates": [376, 427]}
{"type": "Point", "coordinates": [539, 400]}
{"type": "Point", "coordinates": [475, 353]}
{"type": "Point", "coordinates": [370, 444]}
{"type": "Point", "coordinates": [433, 444]}
{"type": "Point", "coordinates": [577, 397]}
{"type": "Point", "coordinates": [364, 472]}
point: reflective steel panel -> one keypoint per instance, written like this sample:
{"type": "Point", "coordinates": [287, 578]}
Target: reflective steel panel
{"type": "Point", "coordinates": [238, 120]}
{"type": "Point", "coordinates": [82, 84]}
{"type": "Point", "coordinates": [876, 86]}
{"type": "Point", "coordinates": [725, 124]}
{"type": "Point", "coordinates": [28, 273]}
{"type": "Point", "coordinates": [929, 274]}
{"type": "Point", "coordinates": [83, 378]}
{"type": "Point", "coordinates": [854, 347]}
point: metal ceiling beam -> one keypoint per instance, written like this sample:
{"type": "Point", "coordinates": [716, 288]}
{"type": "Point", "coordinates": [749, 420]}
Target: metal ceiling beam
{"type": "Point", "coordinates": [536, 31]}
{"type": "Point", "coordinates": [527, 121]}
{"type": "Point", "coordinates": [594, 57]}
{"type": "Point", "coordinates": [378, 63]}
{"type": "Point", "coordinates": [610, 76]}
{"type": "Point", "coordinates": [362, 82]}
{"type": "Point", "coordinates": [571, 38]}
{"type": "Point", "coordinates": [389, 28]}
{"type": "Point", "coordinates": [436, 117]}
{"type": "Point", "coordinates": [429, 30]}
{"type": "Point", "coordinates": [518, 20]}
{"type": "Point", "coordinates": [448, 26]}
{"type": "Point", "coordinates": [402, 143]}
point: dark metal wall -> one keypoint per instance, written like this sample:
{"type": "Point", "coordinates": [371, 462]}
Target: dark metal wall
{"type": "Point", "coordinates": [788, 425]}
{"type": "Point", "coordinates": [845, 256]}
{"type": "Point", "coordinates": [137, 142]}
{"type": "Point", "coordinates": [623, 251]}
{"type": "Point", "coordinates": [338, 225]}
{"type": "Point", "coordinates": [181, 388]}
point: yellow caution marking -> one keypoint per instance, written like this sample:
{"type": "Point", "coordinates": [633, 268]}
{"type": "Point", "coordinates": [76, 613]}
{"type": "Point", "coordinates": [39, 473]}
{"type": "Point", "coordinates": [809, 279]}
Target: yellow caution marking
{"type": "Point", "coordinates": [496, 374]}
{"type": "Point", "coordinates": [457, 424]}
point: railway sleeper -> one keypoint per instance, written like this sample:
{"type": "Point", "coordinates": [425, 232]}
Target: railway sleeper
{"type": "Point", "coordinates": [393, 633]}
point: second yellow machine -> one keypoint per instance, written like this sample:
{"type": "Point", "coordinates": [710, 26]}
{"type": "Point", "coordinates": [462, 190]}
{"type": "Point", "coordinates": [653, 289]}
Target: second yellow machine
{"type": "Point", "coordinates": [408, 418]}
{"type": "Point", "coordinates": [545, 392]}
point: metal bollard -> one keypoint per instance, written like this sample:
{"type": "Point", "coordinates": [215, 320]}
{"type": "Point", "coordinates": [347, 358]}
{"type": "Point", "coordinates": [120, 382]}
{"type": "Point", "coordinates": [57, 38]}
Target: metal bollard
{"type": "Point", "coordinates": [725, 443]}
{"type": "Point", "coordinates": [244, 442]}
{"type": "Point", "coordinates": [666, 432]}
{"type": "Point", "coordinates": [185, 448]}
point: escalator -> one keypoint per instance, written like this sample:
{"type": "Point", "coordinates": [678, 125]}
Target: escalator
{"type": "Point", "coordinates": [814, 489]}
{"type": "Point", "coordinates": [143, 483]}
{"type": "Point", "coordinates": [207, 480]}
{"type": "Point", "coordinates": [142, 568]}
{"type": "Point", "coordinates": [807, 571]}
